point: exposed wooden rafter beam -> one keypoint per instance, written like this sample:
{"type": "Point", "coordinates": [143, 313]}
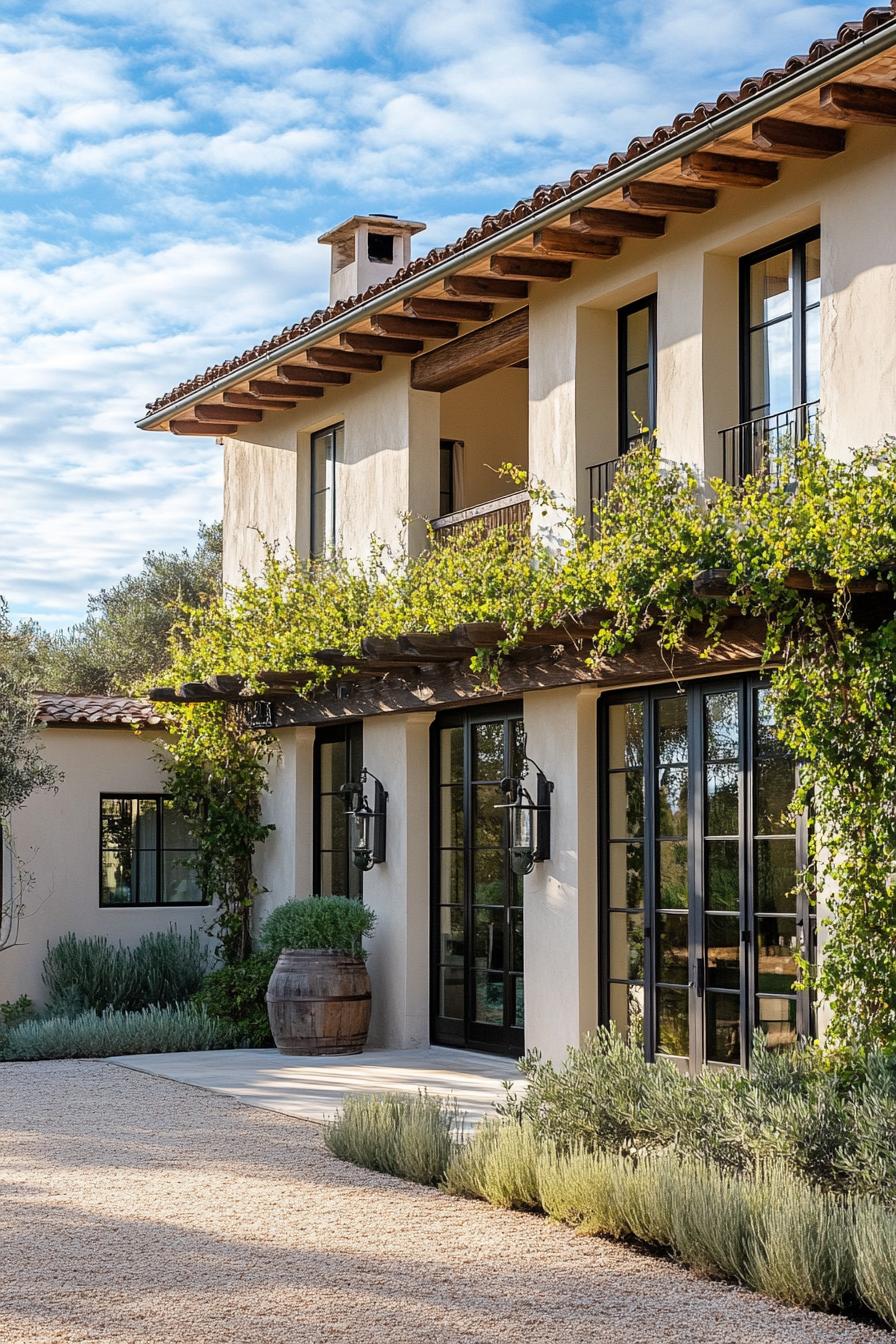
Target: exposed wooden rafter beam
{"type": "Point", "coordinates": [456, 310]}
{"type": "Point", "coordinates": [616, 223]}
{"type": "Point", "coordinates": [260, 403]}
{"type": "Point", "coordinates": [485, 287]}
{"type": "Point", "coordinates": [427, 328]}
{"type": "Point", "coordinates": [370, 343]}
{"type": "Point", "coordinates": [571, 246]}
{"type": "Point", "coordinates": [496, 346]}
{"type": "Point", "coordinates": [728, 170]}
{"type": "Point", "coordinates": [800, 139]}
{"type": "Point", "coordinates": [266, 387]}
{"type": "Point", "coordinates": [303, 373]}
{"type": "Point", "coordinates": [325, 357]}
{"type": "Point", "coordinates": [670, 196]}
{"type": "Point", "coordinates": [240, 415]}
{"type": "Point", "coordinates": [871, 103]}
{"type": "Point", "coordinates": [530, 268]}
{"type": "Point", "coordinates": [210, 429]}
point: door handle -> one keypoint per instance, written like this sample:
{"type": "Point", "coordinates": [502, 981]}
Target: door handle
{"type": "Point", "coordinates": [701, 977]}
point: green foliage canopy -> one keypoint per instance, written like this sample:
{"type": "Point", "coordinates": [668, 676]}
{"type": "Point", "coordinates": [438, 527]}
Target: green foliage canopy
{"type": "Point", "coordinates": [833, 671]}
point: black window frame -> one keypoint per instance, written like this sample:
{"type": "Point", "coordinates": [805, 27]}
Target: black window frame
{"type": "Point", "coordinates": [160, 850]}
{"type": "Point", "coordinates": [321, 546]}
{"type": "Point", "coordinates": [352, 735]}
{"type": "Point", "coordinates": [629, 435]}
{"type": "Point", "coordinates": [805, 917]}
{"type": "Point", "coordinates": [446, 460]}
{"type": "Point", "coordinates": [796, 243]}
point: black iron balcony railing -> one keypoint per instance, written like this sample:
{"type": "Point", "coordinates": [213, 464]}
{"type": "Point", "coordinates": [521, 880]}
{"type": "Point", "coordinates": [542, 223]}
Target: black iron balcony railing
{"type": "Point", "coordinates": [509, 511]}
{"type": "Point", "coordinates": [764, 447]}
{"type": "Point", "coordinates": [600, 482]}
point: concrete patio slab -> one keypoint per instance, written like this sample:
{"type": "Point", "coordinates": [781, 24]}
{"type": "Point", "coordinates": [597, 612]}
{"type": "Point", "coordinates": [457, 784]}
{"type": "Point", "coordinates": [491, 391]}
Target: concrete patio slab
{"type": "Point", "coordinates": [314, 1088]}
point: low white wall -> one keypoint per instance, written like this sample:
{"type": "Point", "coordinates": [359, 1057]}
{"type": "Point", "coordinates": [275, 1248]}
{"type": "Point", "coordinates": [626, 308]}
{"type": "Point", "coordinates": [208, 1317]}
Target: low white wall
{"type": "Point", "coordinates": [57, 837]}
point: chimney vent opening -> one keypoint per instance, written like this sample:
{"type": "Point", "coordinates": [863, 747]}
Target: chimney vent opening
{"type": "Point", "coordinates": [381, 247]}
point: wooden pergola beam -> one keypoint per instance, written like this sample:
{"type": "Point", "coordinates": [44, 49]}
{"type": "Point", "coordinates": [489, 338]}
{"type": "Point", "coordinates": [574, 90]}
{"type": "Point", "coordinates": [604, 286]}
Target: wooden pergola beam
{"type": "Point", "coordinates": [456, 310]}
{"type": "Point", "coordinates": [496, 346]}
{"type": "Point", "coordinates": [267, 387]}
{"type": "Point", "coordinates": [617, 223]}
{"type": "Point", "coordinates": [728, 170]}
{"type": "Point", "coordinates": [305, 373]}
{"type": "Point", "coordinates": [427, 328]}
{"type": "Point", "coordinates": [569, 245]}
{"type": "Point", "coordinates": [486, 287]}
{"type": "Point", "coordinates": [669, 196]}
{"type": "Point", "coordinates": [240, 415]}
{"type": "Point", "coordinates": [211, 429]}
{"type": "Point", "coordinates": [370, 343]}
{"type": "Point", "coordinates": [799, 139]}
{"type": "Point", "coordinates": [326, 357]}
{"type": "Point", "coordinates": [530, 268]}
{"type": "Point", "coordinates": [870, 103]}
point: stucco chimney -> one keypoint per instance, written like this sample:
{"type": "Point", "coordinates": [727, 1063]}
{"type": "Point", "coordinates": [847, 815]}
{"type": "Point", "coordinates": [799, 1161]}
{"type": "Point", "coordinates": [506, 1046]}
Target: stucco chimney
{"type": "Point", "coordinates": [366, 250]}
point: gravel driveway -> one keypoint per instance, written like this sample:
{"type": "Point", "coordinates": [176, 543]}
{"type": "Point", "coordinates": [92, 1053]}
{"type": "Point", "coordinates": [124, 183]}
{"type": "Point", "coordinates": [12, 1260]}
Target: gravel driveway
{"type": "Point", "coordinates": [132, 1208]}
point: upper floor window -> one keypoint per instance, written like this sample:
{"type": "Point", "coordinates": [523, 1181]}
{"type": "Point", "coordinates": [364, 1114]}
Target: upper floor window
{"type": "Point", "coordinates": [781, 299]}
{"type": "Point", "coordinates": [337, 761]}
{"type": "Point", "coordinates": [637, 372]}
{"type": "Point", "coordinates": [450, 458]}
{"type": "Point", "coordinates": [147, 852]}
{"type": "Point", "coordinates": [326, 450]}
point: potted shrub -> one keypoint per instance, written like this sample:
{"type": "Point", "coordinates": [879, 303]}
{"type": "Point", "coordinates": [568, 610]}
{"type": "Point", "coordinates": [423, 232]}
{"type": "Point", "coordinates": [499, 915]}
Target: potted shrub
{"type": "Point", "coordinates": [318, 996]}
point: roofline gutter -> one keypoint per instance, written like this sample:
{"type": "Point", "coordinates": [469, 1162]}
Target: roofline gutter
{"type": "Point", "coordinates": [720, 123]}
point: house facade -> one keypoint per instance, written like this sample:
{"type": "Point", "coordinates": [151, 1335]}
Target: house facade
{"type": "Point", "coordinates": [105, 853]}
{"type": "Point", "coordinates": [729, 282]}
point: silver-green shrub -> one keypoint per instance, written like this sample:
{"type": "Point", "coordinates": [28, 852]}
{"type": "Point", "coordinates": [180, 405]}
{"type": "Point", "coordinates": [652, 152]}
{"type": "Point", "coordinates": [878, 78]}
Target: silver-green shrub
{"type": "Point", "coordinates": [414, 1137]}
{"type": "Point", "coordinates": [93, 973]}
{"type": "Point", "coordinates": [801, 1242]}
{"type": "Point", "coordinates": [875, 1259]}
{"type": "Point", "coordinates": [499, 1164]}
{"type": "Point", "coordinates": [98, 1035]}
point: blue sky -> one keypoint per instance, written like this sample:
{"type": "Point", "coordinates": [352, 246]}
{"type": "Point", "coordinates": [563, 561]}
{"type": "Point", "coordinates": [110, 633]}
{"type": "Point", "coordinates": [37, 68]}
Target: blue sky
{"type": "Point", "coordinates": [165, 169]}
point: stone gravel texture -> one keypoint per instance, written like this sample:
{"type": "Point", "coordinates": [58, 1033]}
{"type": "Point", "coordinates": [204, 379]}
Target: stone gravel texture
{"type": "Point", "coordinates": [137, 1209]}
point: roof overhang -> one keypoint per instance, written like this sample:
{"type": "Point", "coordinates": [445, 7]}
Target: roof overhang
{"type": "Point", "coordinates": [720, 123]}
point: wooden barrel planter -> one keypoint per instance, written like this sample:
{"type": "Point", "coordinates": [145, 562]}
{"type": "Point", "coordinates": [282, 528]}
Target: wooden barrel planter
{"type": "Point", "coordinates": [319, 1003]}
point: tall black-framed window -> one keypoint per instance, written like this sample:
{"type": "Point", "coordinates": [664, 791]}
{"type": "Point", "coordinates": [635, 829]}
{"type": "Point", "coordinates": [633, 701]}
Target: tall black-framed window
{"type": "Point", "coordinates": [147, 852]}
{"type": "Point", "coordinates": [637, 372]}
{"type": "Point", "coordinates": [326, 451]}
{"type": "Point", "coordinates": [702, 916]}
{"type": "Point", "coordinates": [338, 758]}
{"type": "Point", "coordinates": [780, 333]}
{"type": "Point", "coordinates": [446, 476]}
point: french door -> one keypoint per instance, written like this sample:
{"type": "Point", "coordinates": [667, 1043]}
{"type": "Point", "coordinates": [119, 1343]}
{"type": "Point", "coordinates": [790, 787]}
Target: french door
{"type": "Point", "coordinates": [702, 919]}
{"type": "Point", "coordinates": [477, 902]}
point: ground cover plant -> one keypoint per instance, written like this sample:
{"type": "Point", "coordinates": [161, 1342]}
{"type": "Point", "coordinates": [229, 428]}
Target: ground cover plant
{"type": "Point", "coordinates": [90, 1035]}
{"type": "Point", "coordinates": [831, 663]}
{"type": "Point", "coordinates": [759, 1178]}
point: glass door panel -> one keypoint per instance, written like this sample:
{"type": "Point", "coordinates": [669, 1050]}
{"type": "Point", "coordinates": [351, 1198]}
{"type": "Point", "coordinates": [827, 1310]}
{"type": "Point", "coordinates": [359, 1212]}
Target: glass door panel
{"type": "Point", "coordinates": [702, 916]}
{"type": "Point", "coordinates": [478, 995]}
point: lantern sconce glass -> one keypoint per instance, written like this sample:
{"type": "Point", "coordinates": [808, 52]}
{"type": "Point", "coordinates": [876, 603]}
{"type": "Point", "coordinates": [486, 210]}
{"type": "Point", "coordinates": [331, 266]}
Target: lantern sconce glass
{"type": "Point", "coordinates": [530, 818]}
{"type": "Point", "coordinates": [367, 825]}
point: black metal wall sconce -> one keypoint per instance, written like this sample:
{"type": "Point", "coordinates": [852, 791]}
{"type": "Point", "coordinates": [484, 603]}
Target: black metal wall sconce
{"type": "Point", "coordinates": [367, 825]}
{"type": "Point", "coordinates": [530, 818]}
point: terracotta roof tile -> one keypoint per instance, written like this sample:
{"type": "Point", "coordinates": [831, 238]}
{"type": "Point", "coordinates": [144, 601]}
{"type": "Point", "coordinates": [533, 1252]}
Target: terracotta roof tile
{"type": "Point", "coordinates": [103, 710]}
{"type": "Point", "coordinates": [542, 196]}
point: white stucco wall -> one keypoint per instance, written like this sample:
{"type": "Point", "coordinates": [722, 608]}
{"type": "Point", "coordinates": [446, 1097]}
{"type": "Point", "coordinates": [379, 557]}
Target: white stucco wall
{"type": "Point", "coordinates": [57, 838]}
{"type": "Point", "coordinates": [490, 416]}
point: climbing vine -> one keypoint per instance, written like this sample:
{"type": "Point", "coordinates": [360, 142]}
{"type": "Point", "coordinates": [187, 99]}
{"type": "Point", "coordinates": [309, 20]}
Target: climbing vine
{"type": "Point", "coordinates": [831, 655]}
